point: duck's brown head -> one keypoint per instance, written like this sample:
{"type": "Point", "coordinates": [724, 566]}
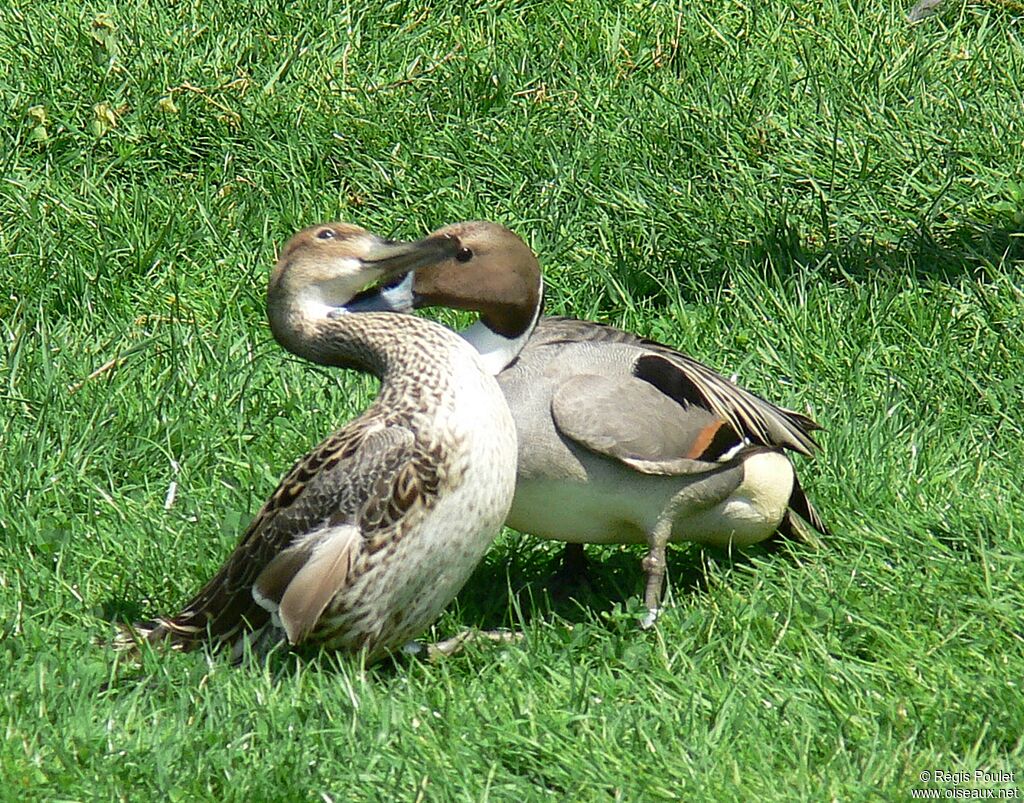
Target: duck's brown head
{"type": "Point", "coordinates": [323, 267]}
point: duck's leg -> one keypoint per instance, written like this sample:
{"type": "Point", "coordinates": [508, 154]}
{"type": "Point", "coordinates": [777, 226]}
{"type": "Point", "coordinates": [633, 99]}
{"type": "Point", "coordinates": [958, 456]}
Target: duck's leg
{"type": "Point", "coordinates": [575, 569]}
{"type": "Point", "coordinates": [573, 575]}
{"type": "Point", "coordinates": [259, 644]}
{"type": "Point", "coordinates": [655, 567]}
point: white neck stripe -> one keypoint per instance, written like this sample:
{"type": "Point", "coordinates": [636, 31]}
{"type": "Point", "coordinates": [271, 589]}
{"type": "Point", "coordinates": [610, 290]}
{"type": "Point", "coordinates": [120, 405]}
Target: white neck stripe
{"type": "Point", "coordinates": [496, 350]}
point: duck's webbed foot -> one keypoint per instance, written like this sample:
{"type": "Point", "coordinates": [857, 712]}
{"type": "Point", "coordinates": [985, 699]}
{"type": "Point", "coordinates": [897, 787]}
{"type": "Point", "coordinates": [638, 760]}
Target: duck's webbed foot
{"type": "Point", "coordinates": [448, 647]}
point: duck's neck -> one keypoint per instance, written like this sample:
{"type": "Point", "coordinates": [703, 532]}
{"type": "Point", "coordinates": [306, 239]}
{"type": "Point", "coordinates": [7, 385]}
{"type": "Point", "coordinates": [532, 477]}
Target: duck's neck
{"type": "Point", "coordinates": [498, 350]}
{"type": "Point", "coordinates": [386, 345]}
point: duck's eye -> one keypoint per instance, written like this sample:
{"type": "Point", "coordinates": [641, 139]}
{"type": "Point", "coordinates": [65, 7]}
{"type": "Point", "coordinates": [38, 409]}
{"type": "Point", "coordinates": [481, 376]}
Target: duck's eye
{"type": "Point", "coordinates": [463, 255]}
{"type": "Point", "coordinates": [325, 234]}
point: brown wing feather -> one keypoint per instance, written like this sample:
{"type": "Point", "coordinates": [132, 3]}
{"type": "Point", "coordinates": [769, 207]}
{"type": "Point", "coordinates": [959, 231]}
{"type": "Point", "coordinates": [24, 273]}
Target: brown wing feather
{"type": "Point", "coordinates": [337, 482]}
{"type": "Point", "coordinates": [307, 588]}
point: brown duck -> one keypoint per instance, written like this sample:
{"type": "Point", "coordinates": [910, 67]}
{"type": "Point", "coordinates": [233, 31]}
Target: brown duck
{"type": "Point", "coordinates": [372, 533]}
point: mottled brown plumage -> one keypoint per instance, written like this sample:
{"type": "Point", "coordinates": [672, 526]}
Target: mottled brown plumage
{"type": "Point", "coordinates": [375, 530]}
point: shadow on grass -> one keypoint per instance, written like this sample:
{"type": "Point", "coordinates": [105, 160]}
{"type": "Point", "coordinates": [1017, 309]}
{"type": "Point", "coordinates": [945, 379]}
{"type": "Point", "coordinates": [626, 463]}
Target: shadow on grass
{"type": "Point", "coordinates": [510, 591]}
{"type": "Point", "coordinates": [929, 252]}
{"type": "Point", "coordinates": [946, 255]}
{"type": "Point", "coordinates": [120, 611]}
{"type": "Point", "coordinates": [505, 592]}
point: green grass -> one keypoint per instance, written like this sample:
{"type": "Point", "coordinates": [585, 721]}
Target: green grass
{"type": "Point", "coordinates": [817, 196]}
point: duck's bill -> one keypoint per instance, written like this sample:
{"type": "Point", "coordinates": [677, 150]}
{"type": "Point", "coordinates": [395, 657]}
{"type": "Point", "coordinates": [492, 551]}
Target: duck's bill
{"type": "Point", "coordinates": [392, 295]}
{"type": "Point", "coordinates": [396, 258]}
{"type": "Point", "coordinates": [400, 261]}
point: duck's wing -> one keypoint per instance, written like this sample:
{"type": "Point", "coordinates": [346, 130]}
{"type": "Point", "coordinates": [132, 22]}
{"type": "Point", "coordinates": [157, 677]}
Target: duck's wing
{"type": "Point", "coordinates": [626, 419]}
{"type": "Point", "coordinates": [689, 382]}
{"type": "Point", "coordinates": [709, 412]}
{"type": "Point", "coordinates": [301, 547]}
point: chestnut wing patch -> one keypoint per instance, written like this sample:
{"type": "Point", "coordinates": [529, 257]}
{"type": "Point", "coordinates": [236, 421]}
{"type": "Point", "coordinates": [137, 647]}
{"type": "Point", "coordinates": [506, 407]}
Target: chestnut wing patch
{"type": "Point", "coordinates": [689, 382]}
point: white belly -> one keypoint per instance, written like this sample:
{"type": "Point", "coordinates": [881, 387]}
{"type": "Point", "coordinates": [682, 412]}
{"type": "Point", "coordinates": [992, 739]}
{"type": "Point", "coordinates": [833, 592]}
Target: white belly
{"type": "Point", "coordinates": [614, 505]}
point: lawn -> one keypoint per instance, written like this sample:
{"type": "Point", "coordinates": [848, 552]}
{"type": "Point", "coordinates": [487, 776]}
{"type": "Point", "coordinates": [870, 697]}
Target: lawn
{"type": "Point", "coordinates": [816, 196]}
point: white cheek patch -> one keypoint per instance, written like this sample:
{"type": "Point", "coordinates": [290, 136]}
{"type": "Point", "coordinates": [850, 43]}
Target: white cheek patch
{"type": "Point", "coordinates": [329, 296]}
{"type": "Point", "coordinates": [312, 305]}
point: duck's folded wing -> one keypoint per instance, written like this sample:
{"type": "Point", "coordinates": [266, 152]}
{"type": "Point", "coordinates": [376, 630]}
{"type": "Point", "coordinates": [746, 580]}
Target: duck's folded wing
{"type": "Point", "coordinates": [688, 381]}
{"type": "Point", "coordinates": [629, 420]}
{"type": "Point", "coordinates": [300, 548]}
